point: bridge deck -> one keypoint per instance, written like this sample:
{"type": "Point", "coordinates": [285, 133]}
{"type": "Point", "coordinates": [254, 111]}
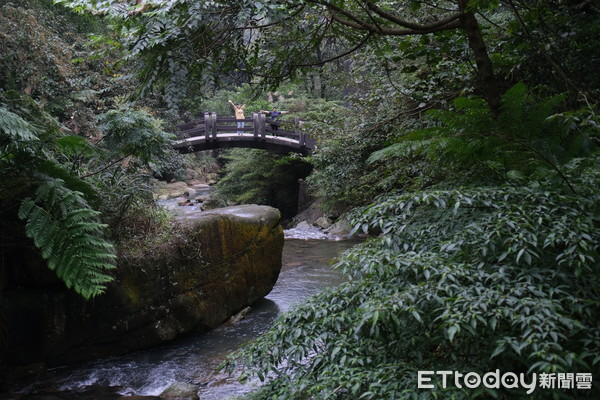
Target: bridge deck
{"type": "Point", "coordinates": [216, 133]}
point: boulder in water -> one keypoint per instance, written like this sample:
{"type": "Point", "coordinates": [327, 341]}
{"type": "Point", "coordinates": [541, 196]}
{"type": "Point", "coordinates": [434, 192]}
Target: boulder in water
{"type": "Point", "coordinates": [217, 263]}
{"type": "Point", "coordinates": [340, 228]}
{"type": "Point", "coordinates": [303, 225]}
{"type": "Point", "coordinates": [173, 190]}
{"type": "Point", "coordinates": [211, 204]}
{"type": "Point", "coordinates": [323, 222]}
{"type": "Point", "coordinates": [240, 315]}
{"type": "Point", "coordinates": [180, 391]}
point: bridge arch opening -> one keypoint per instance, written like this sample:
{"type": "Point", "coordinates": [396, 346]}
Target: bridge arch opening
{"type": "Point", "coordinates": [262, 177]}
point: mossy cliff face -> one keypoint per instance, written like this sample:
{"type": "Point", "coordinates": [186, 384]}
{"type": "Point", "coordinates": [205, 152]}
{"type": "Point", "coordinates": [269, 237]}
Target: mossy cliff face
{"type": "Point", "coordinates": [225, 260]}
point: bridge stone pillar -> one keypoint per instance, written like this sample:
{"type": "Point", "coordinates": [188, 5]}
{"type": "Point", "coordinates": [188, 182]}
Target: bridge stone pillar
{"type": "Point", "coordinates": [262, 125]}
{"type": "Point", "coordinates": [255, 125]}
{"type": "Point", "coordinates": [213, 125]}
{"type": "Point", "coordinates": [207, 129]}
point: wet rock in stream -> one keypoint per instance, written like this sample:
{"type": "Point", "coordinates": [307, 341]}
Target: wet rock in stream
{"type": "Point", "coordinates": [180, 391]}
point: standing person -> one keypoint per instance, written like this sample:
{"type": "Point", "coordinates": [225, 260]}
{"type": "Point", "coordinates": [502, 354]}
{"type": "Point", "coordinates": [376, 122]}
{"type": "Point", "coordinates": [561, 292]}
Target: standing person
{"type": "Point", "coordinates": [274, 115]}
{"type": "Point", "coordinates": [239, 114]}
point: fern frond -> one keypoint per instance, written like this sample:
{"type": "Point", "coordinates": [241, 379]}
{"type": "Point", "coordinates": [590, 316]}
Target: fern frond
{"type": "Point", "coordinates": [55, 170]}
{"type": "Point", "coordinates": [14, 128]}
{"type": "Point", "coordinates": [512, 109]}
{"type": "Point", "coordinates": [524, 137]}
{"type": "Point", "coordinates": [394, 150]}
{"type": "Point", "coordinates": [415, 142]}
{"type": "Point", "coordinates": [69, 237]}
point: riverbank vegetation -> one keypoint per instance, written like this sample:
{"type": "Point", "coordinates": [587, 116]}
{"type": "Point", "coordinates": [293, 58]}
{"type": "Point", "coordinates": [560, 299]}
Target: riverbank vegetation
{"type": "Point", "coordinates": [76, 157]}
{"type": "Point", "coordinates": [462, 136]}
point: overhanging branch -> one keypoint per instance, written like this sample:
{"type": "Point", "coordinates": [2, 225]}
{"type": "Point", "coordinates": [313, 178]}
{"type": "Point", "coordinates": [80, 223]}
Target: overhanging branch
{"type": "Point", "coordinates": [352, 50]}
{"type": "Point", "coordinates": [362, 26]}
{"type": "Point", "coordinates": [411, 25]}
{"type": "Point", "coordinates": [354, 21]}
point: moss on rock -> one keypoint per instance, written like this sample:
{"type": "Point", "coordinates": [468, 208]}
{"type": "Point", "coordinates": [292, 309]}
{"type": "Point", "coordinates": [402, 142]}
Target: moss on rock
{"type": "Point", "coordinates": [220, 262]}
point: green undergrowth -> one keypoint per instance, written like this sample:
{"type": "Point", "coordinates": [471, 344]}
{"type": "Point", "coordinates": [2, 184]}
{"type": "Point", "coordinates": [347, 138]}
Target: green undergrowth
{"type": "Point", "coordinates": [146, 231]}
{"type": "Point", "coordinates": [468, 280]}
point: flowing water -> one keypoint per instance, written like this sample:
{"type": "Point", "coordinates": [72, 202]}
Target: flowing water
{"type": "Point", "coordinates": [306, 270]}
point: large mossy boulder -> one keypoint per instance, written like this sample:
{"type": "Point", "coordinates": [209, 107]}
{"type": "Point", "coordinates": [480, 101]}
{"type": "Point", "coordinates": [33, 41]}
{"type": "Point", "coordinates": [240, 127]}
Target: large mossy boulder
{"type": "Point", "coordinates": [220, 262]}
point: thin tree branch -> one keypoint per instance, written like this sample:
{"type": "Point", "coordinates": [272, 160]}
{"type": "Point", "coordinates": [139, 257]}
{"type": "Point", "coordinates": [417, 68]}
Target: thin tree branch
{"type": "Point", "coordinates": [539, 154]}
{"type": "Point", "coordinates": [266, 25]}
{"type": "Point", "coordinates": [411, 25]}
{"type": "Point", "coordinates": [386, 67]}
{"type": "Point", "coordinates": [352, 50]}
{"type": "Point", "coordinates": [489, 21]}
{"type": "Point", "coordinates": [103, 168]}
{"type": "Point", "coordinates": [362, 26]}
{"type": "Point", "coordinates": [371, 17]}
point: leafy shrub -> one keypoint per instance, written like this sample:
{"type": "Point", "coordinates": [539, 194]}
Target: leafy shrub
{"type": "Point", "coordinates": [524, 140]}
{"type": "Point", "coordinates": [134, 148]}
{"type": "Point", "coordinates": [134, 133]}
{"type": "Point", "coordinates": [468, 280]}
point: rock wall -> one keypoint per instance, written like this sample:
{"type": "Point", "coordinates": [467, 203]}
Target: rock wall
{"type": "Point", "coordinates": [229, 258]}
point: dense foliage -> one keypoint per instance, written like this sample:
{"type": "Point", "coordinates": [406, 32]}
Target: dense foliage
{"type": "Point", "coordinates": [59, 167]}
{"type": "Point", "coordinates": [464, 280]}
{"type": "Point", "coordinates": [55, 181]}
{"type": "Point", "coordinates": [59, 219]}
{"type": "Point", "coordinates": [179, 40]}
{"type": "Point", "coordinates": [523, 139]}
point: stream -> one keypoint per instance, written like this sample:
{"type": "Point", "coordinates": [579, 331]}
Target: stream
{"type": "Point", "coordinates": [306, 270]}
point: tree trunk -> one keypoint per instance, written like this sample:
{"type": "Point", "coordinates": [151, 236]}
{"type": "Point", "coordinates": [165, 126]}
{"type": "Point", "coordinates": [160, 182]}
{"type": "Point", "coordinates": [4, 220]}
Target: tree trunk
{"type": "Point", "coordinates": [485, 72]}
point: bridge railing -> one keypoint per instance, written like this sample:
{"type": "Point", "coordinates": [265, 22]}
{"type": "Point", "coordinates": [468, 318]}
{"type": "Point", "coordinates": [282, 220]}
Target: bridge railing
{"type": "Point", "coordinates": [259, 125]}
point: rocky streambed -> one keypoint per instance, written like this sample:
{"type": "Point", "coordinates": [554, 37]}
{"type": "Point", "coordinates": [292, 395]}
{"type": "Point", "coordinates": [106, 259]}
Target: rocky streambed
{"type": "Point", "coordinates": [230, 258]}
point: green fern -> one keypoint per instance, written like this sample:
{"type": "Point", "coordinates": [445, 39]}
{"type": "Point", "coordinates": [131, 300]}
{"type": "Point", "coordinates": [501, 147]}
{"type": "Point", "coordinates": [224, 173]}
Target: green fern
{"type": "Point", "coordinates": [134, 133]}
{"type": "Point", "coordinates": [14, 129]}
{"type": "Point", "coordinates": [72, 182]}
{"type": "Point", "coordinates": [400, 148]}
{"type": "Point", "coordinates": [521, 140]}
{"type": "Point", "coordinates": [68, 233]}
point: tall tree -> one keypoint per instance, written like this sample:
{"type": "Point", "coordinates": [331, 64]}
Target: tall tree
{"type": "Point", "coordinates": [394, 18]}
